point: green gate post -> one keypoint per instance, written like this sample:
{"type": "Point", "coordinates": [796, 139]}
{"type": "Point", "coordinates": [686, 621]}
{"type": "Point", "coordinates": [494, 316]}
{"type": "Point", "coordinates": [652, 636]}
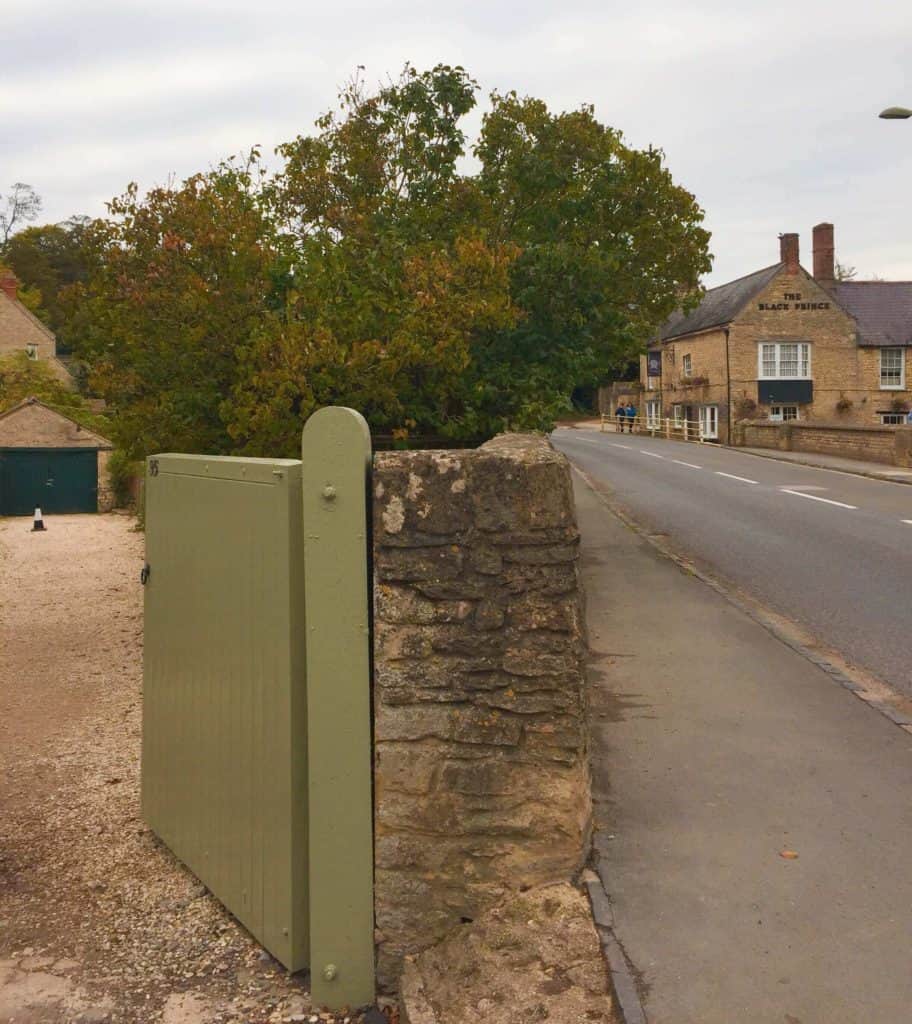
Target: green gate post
{"type": "Point", "coordinates": [336, 468]}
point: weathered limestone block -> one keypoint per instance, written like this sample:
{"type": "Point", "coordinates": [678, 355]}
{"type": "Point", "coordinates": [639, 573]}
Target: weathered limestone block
{"type": "Point", "coordinates": [482, 776]}
{"type": "Point", "coordinates": [534, 958]}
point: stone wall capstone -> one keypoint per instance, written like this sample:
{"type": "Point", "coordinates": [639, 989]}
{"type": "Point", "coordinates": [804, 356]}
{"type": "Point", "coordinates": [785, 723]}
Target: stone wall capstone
{"type": "Point", "coordinates": [481, 763]}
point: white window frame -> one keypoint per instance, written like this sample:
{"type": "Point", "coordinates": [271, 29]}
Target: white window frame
{"type": "Point", "coordinates": [707, 414]}
{"type": "Point", "coordinates": [31, 350]}
{"type": "Point", "coordinates": [687, 365]}
{"type": "Point", "coordinates": [803, 356]}
{"type": "Point", "coordinates": [893, 419]}
{"type": "Point", "coordinates": [677, 415]}
{"type": "Point", "coordinates": [901, 386]}
{"type": "Point", "coordinates": [653, 414]}
{"type": "Point", "coordinates": [780, 417]}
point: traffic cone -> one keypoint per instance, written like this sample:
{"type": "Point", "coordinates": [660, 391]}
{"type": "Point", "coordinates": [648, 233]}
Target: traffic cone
{"type": "Point", "coordinates": [38, 522]}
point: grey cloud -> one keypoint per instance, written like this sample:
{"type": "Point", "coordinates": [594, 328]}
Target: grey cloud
{"type": "Point", "coordinates": [767, 112]}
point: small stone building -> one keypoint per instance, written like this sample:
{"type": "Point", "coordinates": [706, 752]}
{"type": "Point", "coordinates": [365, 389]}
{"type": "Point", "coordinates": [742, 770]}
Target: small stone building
{"type": "Point", "coordinates": [781, 344]}
{"type": "Point", "coordinates": [51, 462]}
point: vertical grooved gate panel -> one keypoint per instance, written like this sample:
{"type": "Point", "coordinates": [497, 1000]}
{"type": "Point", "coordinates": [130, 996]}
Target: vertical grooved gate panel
{"type": "Point", "coordinates": [224, 780]}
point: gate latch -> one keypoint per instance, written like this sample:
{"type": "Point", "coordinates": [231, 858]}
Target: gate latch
{"type": "Point", "coordinates": [144, 575]}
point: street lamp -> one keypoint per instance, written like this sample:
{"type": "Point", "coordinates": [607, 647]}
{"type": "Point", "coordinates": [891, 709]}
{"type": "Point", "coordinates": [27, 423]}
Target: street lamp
{"type": "Point", "coordinates": [895, 113]}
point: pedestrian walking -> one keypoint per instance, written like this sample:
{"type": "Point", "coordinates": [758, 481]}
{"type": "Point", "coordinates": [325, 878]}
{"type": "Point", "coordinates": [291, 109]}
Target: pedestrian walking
{"type": "Point", "coordinates": [630, 413]}
{"type": "Point", "coordinates": [620, 414]}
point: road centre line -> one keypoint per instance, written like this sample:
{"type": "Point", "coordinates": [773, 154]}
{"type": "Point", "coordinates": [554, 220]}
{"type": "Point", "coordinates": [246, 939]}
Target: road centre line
{"type": "Point", "coordinates": [909, 521]}
{"type": "Point", "coordinates": [815, 497]}
{"type": "Point", "coordinates": [614, 444]}
{"type": "Point", "coordinates": [653, 455]}
{"type": "Point", "coordinates": [690, 465]}
{"type": "Point", "coordinates": [731, 476]}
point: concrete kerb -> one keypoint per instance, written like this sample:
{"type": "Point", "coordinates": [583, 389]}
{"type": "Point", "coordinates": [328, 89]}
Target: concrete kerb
{"type": "Point", "coordinates": [623, 983]}
{"type": "Point", "coordinates": [878, 695]}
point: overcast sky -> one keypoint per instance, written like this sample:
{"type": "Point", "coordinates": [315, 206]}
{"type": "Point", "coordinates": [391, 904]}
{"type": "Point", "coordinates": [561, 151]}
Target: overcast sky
{"type": "Point", "coordinates": [766, 111]}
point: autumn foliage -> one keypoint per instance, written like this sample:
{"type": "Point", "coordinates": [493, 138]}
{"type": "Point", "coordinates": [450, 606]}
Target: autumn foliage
{"type": "Point", "coordinates": [379, 268]}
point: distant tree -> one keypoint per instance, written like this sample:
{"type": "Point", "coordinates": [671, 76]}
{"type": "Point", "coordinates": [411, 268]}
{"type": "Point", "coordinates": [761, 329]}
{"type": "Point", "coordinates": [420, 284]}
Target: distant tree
{"type": "Point", "coordinates": [843, 272]}
{"type": "Point", "coordinates": [177, 282]}
{"type": "Point", "coordinates": [22, 204]}
{"type": "Point", "coordinates": [50, 258]}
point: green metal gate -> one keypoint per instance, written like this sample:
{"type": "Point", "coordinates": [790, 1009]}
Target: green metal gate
{"type": "Point", "coordinates": [256, 724]}
{"type": "Point", "coordinates": [56, 480]}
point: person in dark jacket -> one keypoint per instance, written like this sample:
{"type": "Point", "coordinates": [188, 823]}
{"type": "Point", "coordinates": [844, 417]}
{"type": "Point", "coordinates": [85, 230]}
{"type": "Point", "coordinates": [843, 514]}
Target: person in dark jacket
{"type": "Point", "coordinates": [621, 415]}
{"type": "Point", "coordinates": [630, 412]}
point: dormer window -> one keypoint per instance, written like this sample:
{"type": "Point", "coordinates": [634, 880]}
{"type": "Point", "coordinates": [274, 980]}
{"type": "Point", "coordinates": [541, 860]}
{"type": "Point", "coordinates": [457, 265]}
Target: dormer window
{"type": "Point", "coordinates": [31, 351]}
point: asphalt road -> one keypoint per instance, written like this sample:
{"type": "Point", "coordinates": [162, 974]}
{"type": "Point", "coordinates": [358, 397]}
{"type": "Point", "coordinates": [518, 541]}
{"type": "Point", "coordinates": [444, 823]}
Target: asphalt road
{"type": "Point", "coordinates": [830, 551]}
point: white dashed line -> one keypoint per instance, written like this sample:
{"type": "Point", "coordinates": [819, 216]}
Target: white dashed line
{"type": "Point", "coordinates": [909, 521]}
{"type": "Point", "coordinates": [731, 476]}
{"type": "Point", "coordinates": [690, 465]}
{"type": "Point", "coordinates": [814, 497]}
{"type": "Point", "coordinates": [651, 454]}
{"type": "Point", "coordinates": [614, 444]}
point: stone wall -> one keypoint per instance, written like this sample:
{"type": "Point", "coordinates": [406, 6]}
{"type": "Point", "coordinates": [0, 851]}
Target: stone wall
{"type": "Point", "coordinates": [481, 774]}
{"type": "Point", "coordinates": [873, 444]}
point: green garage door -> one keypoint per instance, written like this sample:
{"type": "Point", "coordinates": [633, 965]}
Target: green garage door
{"type": "Point", "coordinates": [52, 479]}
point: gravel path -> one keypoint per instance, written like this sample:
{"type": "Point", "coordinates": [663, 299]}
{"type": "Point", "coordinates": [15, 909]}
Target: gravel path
{"type": "Point", "coordinates": [98, 921]}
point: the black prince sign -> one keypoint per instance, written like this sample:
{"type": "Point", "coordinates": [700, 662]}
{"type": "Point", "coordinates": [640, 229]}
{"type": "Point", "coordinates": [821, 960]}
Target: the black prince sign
{"type": "Point", "coordinates": [653, 364]}
{"type": "Point", "coordinates": [792, 301]}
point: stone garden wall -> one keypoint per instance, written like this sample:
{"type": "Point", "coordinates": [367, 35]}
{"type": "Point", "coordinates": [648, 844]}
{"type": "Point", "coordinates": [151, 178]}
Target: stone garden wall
{"type": "Point", "coordinates": [481, 774]}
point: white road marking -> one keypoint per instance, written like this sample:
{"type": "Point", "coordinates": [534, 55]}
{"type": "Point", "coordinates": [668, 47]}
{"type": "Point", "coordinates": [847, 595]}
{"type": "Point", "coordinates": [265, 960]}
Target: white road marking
{"type": "Point", "coordinates": [731, 476]}
{"type": "Point", "coordinates": [614, 444]}
{"type": "Point", "coordinates": [690, 465]}
{"type": "Point", "coordinates": [815, 497]}
{"type": "Point", "coordinates": [653, 454]}
{"type": "Point", "coordinates": [909, 521]}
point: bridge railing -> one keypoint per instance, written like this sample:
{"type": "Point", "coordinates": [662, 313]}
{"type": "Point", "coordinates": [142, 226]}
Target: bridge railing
{"type": "Point", "coordinates": [673, 429]}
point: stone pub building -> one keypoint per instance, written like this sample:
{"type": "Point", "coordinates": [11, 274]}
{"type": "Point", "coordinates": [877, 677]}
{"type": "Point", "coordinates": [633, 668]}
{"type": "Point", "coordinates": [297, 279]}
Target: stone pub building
{"type": "Point", "coordinates": [781, 344]}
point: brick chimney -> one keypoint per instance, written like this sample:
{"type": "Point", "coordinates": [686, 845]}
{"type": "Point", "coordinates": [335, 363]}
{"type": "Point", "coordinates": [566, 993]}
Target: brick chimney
{"type": "Point", "coordinates": [9, 284]}
{"type": "Point", "coordinates": [824, 253]}
{"type": "Point", "coordinates": [788, 252]}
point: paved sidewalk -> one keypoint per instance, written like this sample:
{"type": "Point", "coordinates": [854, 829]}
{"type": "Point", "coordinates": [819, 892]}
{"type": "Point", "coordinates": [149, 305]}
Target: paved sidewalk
{"type": "Point", "coordinates": [716, 748]}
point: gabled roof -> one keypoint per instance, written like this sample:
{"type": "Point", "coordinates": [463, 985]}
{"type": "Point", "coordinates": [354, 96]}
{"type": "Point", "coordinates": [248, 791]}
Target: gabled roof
{"type": "Point", "coordinates": [29, 406]}
{"type": "Point", "coordinates": [882, 309]}
{"type": "Point", "coordinates": [23, 310]}
{"type": "Point", "coordinates": [719, 306]}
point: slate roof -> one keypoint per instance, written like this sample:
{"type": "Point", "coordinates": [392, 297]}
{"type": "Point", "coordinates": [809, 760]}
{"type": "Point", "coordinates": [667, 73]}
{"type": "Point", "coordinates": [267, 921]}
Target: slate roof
{"type": "Point", "coordinates": [882, 309]}
{"type": "Point", "coordinates": [719, 305]}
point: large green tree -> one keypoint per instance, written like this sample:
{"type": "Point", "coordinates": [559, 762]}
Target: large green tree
{"type": "Point", "coordinates": [377, 269]}
{"type": "Point", "coordinates": [393, 275]}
